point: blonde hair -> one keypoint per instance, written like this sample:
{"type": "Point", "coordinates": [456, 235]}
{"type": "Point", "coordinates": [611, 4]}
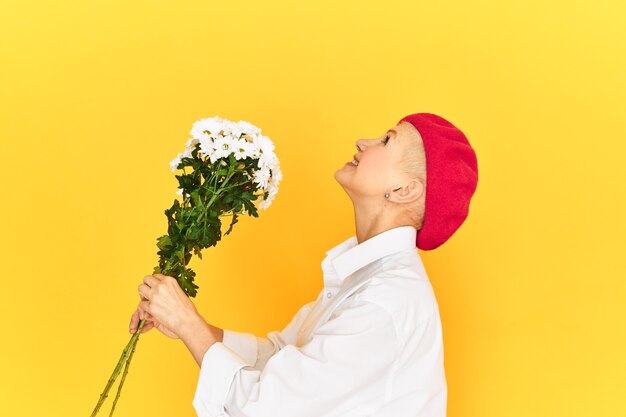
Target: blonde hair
{"type": "Point", "coordinates": [413, 165]}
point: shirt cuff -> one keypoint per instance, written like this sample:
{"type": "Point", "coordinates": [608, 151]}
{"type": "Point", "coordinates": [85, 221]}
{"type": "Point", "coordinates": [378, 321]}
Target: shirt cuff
{"type": "Point", "coordinates": [217, 371]}
{"type": "Point", "coordinates": [244, 344]}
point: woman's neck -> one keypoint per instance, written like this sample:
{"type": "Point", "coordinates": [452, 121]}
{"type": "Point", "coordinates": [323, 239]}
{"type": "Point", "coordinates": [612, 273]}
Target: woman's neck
{"type": "Point", "coordinates": [371, 220]}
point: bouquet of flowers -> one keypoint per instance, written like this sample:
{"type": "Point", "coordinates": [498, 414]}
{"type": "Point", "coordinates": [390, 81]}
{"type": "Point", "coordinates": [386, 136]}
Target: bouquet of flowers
{"type": "Point", "coordinates": [224, 168]}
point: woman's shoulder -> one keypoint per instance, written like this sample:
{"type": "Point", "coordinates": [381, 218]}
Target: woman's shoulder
{"type": "Point", "coordinates": [403, 289]}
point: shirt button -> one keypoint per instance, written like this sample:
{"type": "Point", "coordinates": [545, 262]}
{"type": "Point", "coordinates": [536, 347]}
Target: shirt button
{"type": "Point", "coordinates": [329, 294]}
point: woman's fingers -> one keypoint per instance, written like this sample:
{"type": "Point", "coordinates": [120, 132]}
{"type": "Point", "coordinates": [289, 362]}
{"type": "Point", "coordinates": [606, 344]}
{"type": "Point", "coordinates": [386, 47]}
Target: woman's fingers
{"type": "Point", "coordinates": [144, 291]}
{"type": "Point", "coordinates": [143, 310]}
{"type": "Point", "coordinates": [138, 315]}
{"type": "Point", "coordinates": [148, 326]}
{"type": "Point", "coordinates": [145, 287]}
{"type": "Point", "coordinates": [151, 280]}
{"type": "Point", "coordinates": [134, 320]}
{"type": "Point", "coordinates": [141, 313]}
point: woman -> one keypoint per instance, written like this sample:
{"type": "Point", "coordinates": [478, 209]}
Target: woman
{"type": "Point", "coordinates": [371, 343]}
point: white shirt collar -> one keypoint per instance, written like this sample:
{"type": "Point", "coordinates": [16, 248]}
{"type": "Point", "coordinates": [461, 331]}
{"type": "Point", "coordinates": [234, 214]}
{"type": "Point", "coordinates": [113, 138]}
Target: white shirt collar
{"type": "Point", "coordinates": [348, 256]}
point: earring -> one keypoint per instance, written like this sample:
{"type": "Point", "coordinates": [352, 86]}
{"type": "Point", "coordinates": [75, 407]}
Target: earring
{"type": "Point", "coordinates": [386, 195]}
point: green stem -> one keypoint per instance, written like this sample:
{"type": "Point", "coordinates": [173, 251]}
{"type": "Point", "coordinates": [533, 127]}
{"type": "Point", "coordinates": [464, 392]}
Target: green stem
{"type": "Point", "coordinates": [234, 185]}
{"type": "Point", "coordinates": [119, 388]}
{"type": "Point", "coordinates": [117, 369]}
{"type": "Point", "coordinates": [216, 194]}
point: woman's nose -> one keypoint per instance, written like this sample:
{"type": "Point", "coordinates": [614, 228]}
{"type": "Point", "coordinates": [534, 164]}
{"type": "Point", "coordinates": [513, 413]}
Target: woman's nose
{"type": "Point", "coordinates": [361, 144]}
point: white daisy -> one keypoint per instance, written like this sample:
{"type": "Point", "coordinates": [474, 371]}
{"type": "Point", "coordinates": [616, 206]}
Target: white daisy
{"type": "Point", "coordinates": [242, 149]}
{"type": "Point", "coordinates": [268, 159]}
{"type": "Point", "coordinates": [261, 176]}
{"type": "Point", "coordinates": [265, 203]}
{"type": "Point", "coordinates": [277, 174]}
{"type": "Point", "coordinates": [187, 153]}
{"type": "Point", "coordinates": [265, 144]}
{"type": "Point", "coordinates": [223, 147]}
{"type": "Point", "coordinates": [191, 144]}
{"type": "Point", "coordinates": [205, 128]}
{"type": "Point", "coordinates": [174, 163]}
{"type": "Point", "coordinates": [249, 128]}
{"type": "Point", "coordinates": [207, 146]}
{"type": "Point", "coordinates": [254, 150]}
{"type": "Point", "coordinates": [234, 130]}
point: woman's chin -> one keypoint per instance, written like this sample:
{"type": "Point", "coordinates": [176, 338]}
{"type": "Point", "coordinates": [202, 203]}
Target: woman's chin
{"type": "Point", "coordinates": [342, 176]}
{"type": "Point", "coordinates": [339, 176]}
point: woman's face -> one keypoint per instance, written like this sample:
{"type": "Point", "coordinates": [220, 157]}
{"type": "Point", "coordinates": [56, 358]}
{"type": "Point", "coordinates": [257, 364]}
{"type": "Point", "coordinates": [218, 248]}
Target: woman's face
{"type": "Point", "coordinates": [379, 161]}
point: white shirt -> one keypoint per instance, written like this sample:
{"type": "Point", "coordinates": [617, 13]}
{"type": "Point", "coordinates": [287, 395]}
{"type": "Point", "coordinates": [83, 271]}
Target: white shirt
{"type": "Point", "coordinates": [370, 345]}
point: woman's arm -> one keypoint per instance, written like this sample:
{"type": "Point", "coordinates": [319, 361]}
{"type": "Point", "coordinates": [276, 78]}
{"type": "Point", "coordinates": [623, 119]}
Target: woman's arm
{"type": "Point", "coordinates": [199, 336]}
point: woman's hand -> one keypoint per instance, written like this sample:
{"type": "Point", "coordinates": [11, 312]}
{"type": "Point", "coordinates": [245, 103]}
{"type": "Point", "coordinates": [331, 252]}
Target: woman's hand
{"type": "Point", "coordinates": [165, 306]}
{"type": "Point", "coordinates": [139, 314]}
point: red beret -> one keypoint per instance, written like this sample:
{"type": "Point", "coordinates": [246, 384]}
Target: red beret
{"type": "Point", "coordinates": [451, 178]}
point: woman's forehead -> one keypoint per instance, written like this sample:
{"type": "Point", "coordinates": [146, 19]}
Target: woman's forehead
{"type": "Point", "coordinates": [407, 131]}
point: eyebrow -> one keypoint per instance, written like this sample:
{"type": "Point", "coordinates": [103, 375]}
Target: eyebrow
{"type": "Point", "coordinates": [391, 130]}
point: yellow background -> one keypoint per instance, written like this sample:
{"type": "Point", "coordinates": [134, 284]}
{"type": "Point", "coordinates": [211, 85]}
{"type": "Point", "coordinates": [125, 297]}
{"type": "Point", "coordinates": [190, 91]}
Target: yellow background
{"type": "Point", "coordinates": [98, 97]}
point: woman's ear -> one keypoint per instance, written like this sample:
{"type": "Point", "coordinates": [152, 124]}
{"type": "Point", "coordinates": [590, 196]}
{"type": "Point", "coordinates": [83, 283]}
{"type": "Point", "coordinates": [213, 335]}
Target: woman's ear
{"type": "Point", "coordinates": [408, 192]}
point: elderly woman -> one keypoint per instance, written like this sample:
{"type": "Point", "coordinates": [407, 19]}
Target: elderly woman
{"type": "Point", "coordinates": [371, 343]}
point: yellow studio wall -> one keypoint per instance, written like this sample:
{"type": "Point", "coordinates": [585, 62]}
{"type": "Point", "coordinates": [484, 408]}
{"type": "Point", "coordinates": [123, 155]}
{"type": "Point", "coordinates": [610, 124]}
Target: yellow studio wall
{"type": "Point", "coordinates": [98, 97]}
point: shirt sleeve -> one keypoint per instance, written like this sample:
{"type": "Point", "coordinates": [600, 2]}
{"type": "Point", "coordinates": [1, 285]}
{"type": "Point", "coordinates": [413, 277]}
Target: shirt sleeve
{"type": "Point", "coordinates": [257, 350]}
{"type": "Point", "coordinates": [345, 357]}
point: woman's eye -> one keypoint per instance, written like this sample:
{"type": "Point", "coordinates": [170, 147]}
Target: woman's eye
{"type": "Point", "coordinates": [386, 139]}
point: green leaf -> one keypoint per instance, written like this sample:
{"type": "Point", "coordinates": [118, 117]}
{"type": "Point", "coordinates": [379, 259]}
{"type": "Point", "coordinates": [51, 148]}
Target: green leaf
{"type": "Point", "coordinates": [164, 242]}
{"type": "Point", "coordinates": [232, 223]}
